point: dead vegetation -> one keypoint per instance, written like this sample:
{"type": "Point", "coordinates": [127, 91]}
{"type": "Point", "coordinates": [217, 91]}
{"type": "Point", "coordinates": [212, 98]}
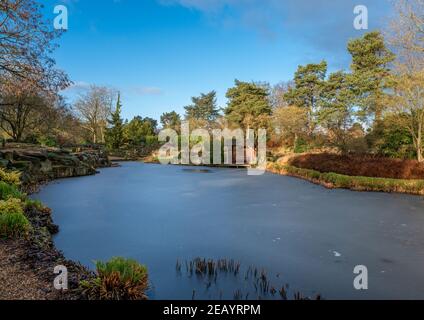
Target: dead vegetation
{"type": "Point", "coordinates": [360, 166]}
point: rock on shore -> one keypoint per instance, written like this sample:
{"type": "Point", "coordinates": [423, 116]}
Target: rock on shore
{"type": "Point", "coordinates": [40, 164]}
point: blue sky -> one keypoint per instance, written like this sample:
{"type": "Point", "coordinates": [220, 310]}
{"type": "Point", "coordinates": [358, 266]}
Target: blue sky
{"type": "Point", "coordinates": [159, 53]}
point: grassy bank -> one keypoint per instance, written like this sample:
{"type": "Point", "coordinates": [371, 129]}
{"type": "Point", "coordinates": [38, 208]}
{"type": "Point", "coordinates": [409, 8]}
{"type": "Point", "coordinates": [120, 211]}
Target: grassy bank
{"type": "Point", "coordinates": [28, 256]}
{"type": "Point", "coordinates": [356, 183]}
{"type": "Point", "coordinates": [26, 230]}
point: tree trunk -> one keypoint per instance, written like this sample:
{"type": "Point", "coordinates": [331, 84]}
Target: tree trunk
{"type": "Point", "coordinates": [420, 151]}
{"type": "Point", "coordinates": [296, 139]}
{"type": "Point", "coordinates": [102, 135]}
{"type": "Point", "coordinates": [18, 137]}
{"type": "Point", "coordinates": [419, 144]}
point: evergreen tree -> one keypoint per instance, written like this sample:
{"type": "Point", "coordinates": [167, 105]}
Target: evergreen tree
{"type": "Point", "coordinates": [337, 109]}
{"type": "Point", "coordinates": [309, 81]}
{"type": "Point", "coordinates": [115, 132]}
{"type": "Point", "coordinates": [203, 108]}
{"type": "Point", "coordinates": [171, 120]}
{"type": "Point", "coordinates": [370, 72]}
{"type": "Point", "coordinates": [139, 128]}
{"type": "Point", "coordinates": [248, 105]}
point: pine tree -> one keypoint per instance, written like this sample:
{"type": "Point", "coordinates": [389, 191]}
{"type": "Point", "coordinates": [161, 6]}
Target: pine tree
{"type": "Point", "coordinates": [309, 81]}
{"type": "Point", "coordinates": [115, 133]}
{"type": "Point", "coordinates": [248, 105]}
{"type": "Point", "coordinates": [370, 72]}
{"type": "Point", "coordinates": [203, 108]}
{"type": "Point", "coordinates": [337, 109]}
{"type": "Point", "coordinates": [171, 120]}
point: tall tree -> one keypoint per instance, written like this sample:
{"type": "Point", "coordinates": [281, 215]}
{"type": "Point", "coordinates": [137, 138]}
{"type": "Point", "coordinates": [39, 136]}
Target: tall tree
{"type": "Point", "coordinates": [151, 126]}
{"type": "Point", "coordinates": [21, 113]}
{"type": "Point", "coordinates": [290, 123]}
{"type": "Point", "coordinates": [139, 128]}
{"type": "Point", "coordinates": [26, 41]}
{"type": "Point", "coordinates": [337, 113]}
{"type": "Point", "coordinates": [115, 133]}
{"type": "Point", "coordinates": [308, 84]}
{"type": "Point", "coordinates": [203, 108]}
{"type": "Point", "coordinates": [407, 99]}
{"type": "Point", "coordinates": [22, 105]}
{"type": "Point", "coordinates": [406, 34]}
{"type": "Point", "coordinates": [171, 120]}
{"type": "Point", "coordinates": [29, 81]}
{"type": "Point", "coordinates": [94, 108]}
{"type": "Point", "coordinates": [60, 127]}
{"type": "Point", "coordinates": [407, 102]}
{"type": "Point", "coordinates": [370, 72]}
{"type": "Point", "coordinates": [248, 105]}
{"type": "Point", "coordinates": [278, 94]}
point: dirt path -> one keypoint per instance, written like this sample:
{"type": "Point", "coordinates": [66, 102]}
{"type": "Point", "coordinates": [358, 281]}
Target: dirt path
{"type": "Point", "coordinates": [17, 280]}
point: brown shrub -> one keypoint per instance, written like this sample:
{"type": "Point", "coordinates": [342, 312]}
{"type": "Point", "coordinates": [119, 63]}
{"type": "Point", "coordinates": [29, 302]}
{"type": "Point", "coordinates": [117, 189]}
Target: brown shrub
{"type": "Point", "coordinates": [365, 166]}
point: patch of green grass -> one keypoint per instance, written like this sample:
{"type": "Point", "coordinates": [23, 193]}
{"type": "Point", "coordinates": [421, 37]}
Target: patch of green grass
{"type": "Point", "coordinates": [8, 191]}
{"type": "Point", "coordinates": [129, 270]}
{"type": "Point", "coordinates": [10, 177]}
{"type": "Point", "coordinates": [36, 204]}
{"type": "Point", "coordinates": [11, 205]}
{"type": "Point", "coordinates": [117, 279]}
{"type": "Point", "coordinates": [354, 182]}
{"type": "Point", "coordinates": [13, 223]}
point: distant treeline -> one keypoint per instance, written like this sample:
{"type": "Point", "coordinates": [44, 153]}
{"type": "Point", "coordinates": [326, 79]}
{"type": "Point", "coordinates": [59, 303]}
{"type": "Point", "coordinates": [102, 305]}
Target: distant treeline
{"type": "Point", "coordinates": [374, 107]}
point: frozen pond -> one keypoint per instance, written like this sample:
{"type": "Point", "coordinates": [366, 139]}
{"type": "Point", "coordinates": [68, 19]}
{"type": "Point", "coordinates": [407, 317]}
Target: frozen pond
{"type": "Point", "coordinates": [301, 234]}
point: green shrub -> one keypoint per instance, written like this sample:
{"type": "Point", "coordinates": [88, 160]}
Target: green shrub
{"type": "Point", "coordinates": [13, 222]}
{"type": "Point", "coordinates": [117, 279]}
{"type": "Point", "coordinates": [10, 177]}
{"type": "Point", "coordinates": [301, 146]}
{"type": "Point", "coordinates": [11, 205]}
{"type": "Point", "coordinates": [8, 191]}
{"type": "Point", "coordinates": [47, 141]}
{"type": "Point", "coordinates": [151, 140]}
{"type": "Point", "coordinates": [36, 204]}
{"type": "Point", "coordinates": [358, 183]}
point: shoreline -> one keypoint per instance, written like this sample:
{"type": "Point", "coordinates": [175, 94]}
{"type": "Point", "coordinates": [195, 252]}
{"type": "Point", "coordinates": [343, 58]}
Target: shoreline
{"type": "Point", "coordinates": [332, 180]}
{"type": "Point", "coordinates": [32, 260]}
{"type": "Point", "coordinates": [353, 183]}
{"type": "Point", "coordinates": [279, 185]}
{"type": "Point", "coordinates": [27, 263]}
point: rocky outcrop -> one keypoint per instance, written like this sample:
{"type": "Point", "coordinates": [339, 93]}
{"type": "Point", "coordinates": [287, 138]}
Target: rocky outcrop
{"type": "Point", "coordinates": [41, 164]}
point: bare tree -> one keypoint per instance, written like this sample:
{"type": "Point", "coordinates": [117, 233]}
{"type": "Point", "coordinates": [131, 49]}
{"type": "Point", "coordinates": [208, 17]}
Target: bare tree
{"type": "Point", "coordinates": [29, 81]}
{"type": "Point", "coordinates": [94, 108]}
{"type": "Point", "coordinates": [26, 41]}
{"type": "Point", "coordinates": [408, 102]}
{"type": "Point", "coordinates": [407, 36]}
{"type": "Point", "coordinates": [277, 94]}
{"type": "Point", "coordinates": [22, 107]}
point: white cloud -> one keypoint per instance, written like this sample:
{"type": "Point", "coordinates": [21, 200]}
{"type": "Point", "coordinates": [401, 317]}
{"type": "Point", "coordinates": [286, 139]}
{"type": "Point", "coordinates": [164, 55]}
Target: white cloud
{"type": "Point", "coordinates": [78, 86]}
{"type": "Point", "coordinates": [325, 24]}
{"type": "Point", "coordinates": [144, 91]}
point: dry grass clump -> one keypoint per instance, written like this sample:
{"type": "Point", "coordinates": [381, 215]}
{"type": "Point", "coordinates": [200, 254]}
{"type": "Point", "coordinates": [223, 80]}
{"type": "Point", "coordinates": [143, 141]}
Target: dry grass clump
{"type": "Point", "coordinates": [117, 279]}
